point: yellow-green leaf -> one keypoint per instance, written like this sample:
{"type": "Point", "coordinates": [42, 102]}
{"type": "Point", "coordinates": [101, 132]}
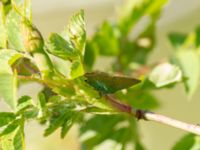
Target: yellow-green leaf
{"type": "Point", "coordinates": [76, 69]}
{"type": "Point", "coordinates": [13, 140]}
{"type": "Point", "coordinates": [61, 48]}
{"type": "Point", "coordinates": [76, 30]}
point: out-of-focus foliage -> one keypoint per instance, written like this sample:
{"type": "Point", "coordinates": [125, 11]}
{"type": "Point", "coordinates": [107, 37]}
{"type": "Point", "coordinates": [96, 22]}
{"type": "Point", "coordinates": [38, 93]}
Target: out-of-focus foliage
{"type": "Point", "coordinates": [186, 56]}
{"type": "Point", "coordinates": [189, 141]}
{"type": "Point", "coordinates": [68, 98]}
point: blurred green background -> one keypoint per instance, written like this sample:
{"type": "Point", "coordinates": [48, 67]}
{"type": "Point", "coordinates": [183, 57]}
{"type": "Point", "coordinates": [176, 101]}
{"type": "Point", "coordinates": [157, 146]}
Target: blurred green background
{"type": "Point", "coordinates": [178, 15]}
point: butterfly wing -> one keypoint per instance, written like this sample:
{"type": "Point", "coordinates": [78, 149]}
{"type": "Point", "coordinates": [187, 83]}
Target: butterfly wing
{"type": "Point", "coordinates": [108, 84]}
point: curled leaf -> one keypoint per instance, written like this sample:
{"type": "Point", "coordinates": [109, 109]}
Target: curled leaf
{"type": "Point", "coordinates": [165, 74]}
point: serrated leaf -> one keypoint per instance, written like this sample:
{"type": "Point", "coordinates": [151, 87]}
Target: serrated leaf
{"type": "Point", "coordinates": [76, 69]}
{"type": "Point", "coordinates": [24, 102]}
{"type": "Point", "coordinates": [7, 141]}
{"type": "Point", "coordinates": [20, 10]}
{"type": "Point", "coordinates": [55, 123]}
{"type": "Point", "coordinates": [6, 117]}
{"type": "Point", "coordinates": [13, 138]}
{"type": "Point", "coordinates": [41, 100]}
{"type": "Point", "coordinates": [188, 142]}
{"type": "Point", "coordinates": [10, 127]}
{"type": "Point", "coordinates": [106, 83]}
{"type": "Point", "coordinates": [31, 113]}
{"type": "Point", "coordinates": [72, 117]}
{"type": "Point", "coordinates": [18, 141]}
{"type": "Point", "coordinates": [165, 74]}
{"type": "Point", "coordinates": [26, 108]}
{"type": "Point", "coordinates": [189, 62]}
{"type": "Point", "coordinates": [98, 110]}
{"type": "Point", "coordinates": [177, 39]}
{"type": "Point", "coordinates": [61, 48]}
{"type": "Point", "coordinates": [76, 31]}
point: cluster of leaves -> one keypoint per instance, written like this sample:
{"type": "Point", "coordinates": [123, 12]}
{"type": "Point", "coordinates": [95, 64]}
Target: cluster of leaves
{"type": "Point", "coordinates": [68, 96]}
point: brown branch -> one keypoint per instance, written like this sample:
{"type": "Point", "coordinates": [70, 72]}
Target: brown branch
{"type": "Point", "coordinates": [117, 105]}
{"type": "Point", "coordinates": [151, 116]}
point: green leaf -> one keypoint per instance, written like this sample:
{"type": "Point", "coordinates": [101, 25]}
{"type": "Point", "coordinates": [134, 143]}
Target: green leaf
{"type": "Point", "coordinates": [177, 39]}
{"type": "Point", "coordinates": [8, 89]}
{"type": "Point", "coordinates": [197, 42]}
{"type": "Point", "coordinates": [106, 83]}
{"type": "Point", "coordinates": [106, 40]}
{"type": "Point", "coordinates": [103, 132]}
{"type": "Point", "coordinates": [55, 123]}
{"type": "Point", "coordinates": [76, 31]}
{"type": "Point", "coordinates": [28, 9]}
{"type": "Point", "coordinates": [139, 146]}
{"type": "Point", "coordinates": [99, 110]}
{"type": "Point", "coordinates": [20, 9]}
{"type": "Point", "coordinates": [6, 117]}
{"type": "Point", "coordinates": [72, 117]}
{"type": "Point", "coordinates": [61, 48]}
{"type": "Point", "coordinates": [7, 58]}
{"type": "Point", "coordinates": [3, 36]}
{"type": "Point", "coordinates": [8, 79]}
{"type": "Point", "coordinates": [90, 55]}
{"type": "Point", "coordinates": [95, 122]}
{"type": "Point", "coordinates": [76, 69]}
{"type": "Point", "coordinates": [23, 7]}
{"type": "Point", "coordinates": [14, 140]}
{"type": "Point", "coordinates": [188, 142]}
{"type": "Point", "coordinates": [133, 11]}
{"type": "Point", "coordinates": [15, 37]}
{"type": "Point", "coordinates": [165, 74]}
{"type": "Point", "coordinates": [42, 100]}
{"type": "Point", "coordinates": [189, 62]}
{"type": "Point", "coordinates": [18, 141]}
{"type": "Point", "coordinates": [10, 128]}
{"type": "Point", "coordinates": [5, 9]}
{"type": "Point", "coordinates": [113, 129]}
{"type": "Point", "coordinates": [139, 99]}
{"type": "Point", "coordinates": [24, 102]}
